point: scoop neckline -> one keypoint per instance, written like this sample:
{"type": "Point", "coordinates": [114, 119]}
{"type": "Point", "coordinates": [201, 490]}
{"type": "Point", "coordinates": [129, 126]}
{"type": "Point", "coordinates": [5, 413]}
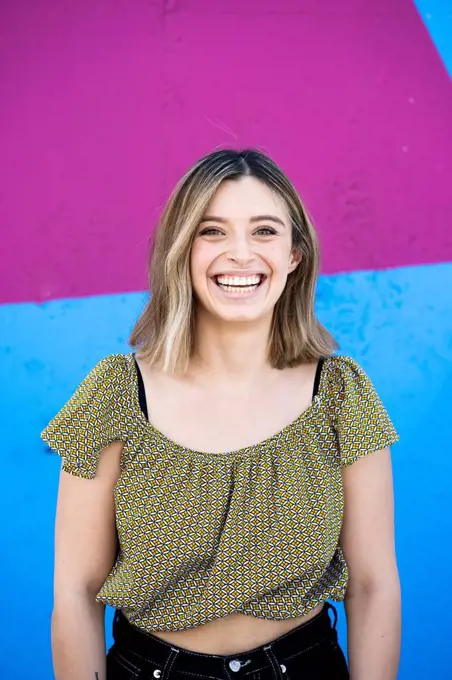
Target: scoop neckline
{"type": "Point", "coordinates": [234, 453]}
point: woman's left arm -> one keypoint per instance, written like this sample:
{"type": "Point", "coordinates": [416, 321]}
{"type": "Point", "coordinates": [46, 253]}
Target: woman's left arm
{"type": "Point", "coordinates": [372, 601]}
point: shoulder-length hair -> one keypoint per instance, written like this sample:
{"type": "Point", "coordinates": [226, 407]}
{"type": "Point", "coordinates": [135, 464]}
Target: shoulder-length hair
{"type": "Point", "coordinates": [164, 333]}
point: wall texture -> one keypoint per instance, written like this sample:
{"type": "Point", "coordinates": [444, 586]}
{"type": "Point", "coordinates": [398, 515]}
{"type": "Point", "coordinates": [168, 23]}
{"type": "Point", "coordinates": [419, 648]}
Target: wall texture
{"type": "Point", "coordinates": [103, 105]}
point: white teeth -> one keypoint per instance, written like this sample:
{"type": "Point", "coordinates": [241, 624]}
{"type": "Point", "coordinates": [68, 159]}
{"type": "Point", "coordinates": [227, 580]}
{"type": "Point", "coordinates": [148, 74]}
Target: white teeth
{"type": "Point", "coordinates": [237, 289]}
{"type": "Point", "coordinates": [239, 280]}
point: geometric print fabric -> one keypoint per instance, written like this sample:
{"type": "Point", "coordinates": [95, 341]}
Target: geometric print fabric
{"type": "Point", "coordinates": [202, 535]}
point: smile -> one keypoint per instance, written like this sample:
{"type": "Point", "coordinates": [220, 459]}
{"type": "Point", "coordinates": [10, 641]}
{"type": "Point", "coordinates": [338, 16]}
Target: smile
{"type": "Point", "coordinates": [239, 284]}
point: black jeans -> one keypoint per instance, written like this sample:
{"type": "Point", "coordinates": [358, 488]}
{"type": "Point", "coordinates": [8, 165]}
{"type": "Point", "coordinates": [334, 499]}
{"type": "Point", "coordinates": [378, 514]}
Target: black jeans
{"type": "Point", "coordinates": [308, 652]}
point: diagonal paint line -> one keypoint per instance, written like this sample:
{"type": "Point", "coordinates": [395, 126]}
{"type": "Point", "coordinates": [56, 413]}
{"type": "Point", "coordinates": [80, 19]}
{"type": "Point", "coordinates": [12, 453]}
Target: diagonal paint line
{"type": "Point", "coordinates": [437, 17]}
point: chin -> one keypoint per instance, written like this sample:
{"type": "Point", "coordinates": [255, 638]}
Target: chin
{"type": "Point", "coordinates": [242, 316]}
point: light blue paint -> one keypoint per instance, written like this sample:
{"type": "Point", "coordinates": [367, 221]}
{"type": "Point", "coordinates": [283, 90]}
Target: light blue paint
{"type": "Point", "coordinates": [437, 16]}
{"type": "Point", "coordinates": [397, 324]}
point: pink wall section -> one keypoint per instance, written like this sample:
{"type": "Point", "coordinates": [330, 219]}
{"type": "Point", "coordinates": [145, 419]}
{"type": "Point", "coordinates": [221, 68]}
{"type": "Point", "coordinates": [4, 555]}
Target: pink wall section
{"type": "Point", "coordinates": [104, 104]}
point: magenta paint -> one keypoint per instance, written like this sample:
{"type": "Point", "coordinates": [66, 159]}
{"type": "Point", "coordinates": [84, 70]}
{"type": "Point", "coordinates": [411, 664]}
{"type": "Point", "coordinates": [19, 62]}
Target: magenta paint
{"type": "Point", "coordinates": [105, 104]}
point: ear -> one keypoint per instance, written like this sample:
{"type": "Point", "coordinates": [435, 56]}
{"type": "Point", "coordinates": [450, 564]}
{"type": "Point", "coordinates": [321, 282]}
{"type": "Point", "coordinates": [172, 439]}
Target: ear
{"type": "Point", "coordinates": [295, 259]}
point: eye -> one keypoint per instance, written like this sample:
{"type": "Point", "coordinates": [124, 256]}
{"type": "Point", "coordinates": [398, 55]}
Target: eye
{"type": "Point", "coordinates": [210, 231]}
{"type": "Point", "coordinates": [266, 231]}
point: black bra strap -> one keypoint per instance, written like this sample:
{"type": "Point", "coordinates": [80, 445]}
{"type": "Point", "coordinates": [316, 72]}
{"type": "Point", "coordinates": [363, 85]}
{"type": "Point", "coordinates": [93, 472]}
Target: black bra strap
{"type": "Point", "coordinates": [141, 392]}
{"type": "Point", "coordinates": [318, 374]}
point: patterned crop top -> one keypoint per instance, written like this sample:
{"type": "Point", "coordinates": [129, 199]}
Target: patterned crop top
{"type": "Point", "coordinates": [202, 535]}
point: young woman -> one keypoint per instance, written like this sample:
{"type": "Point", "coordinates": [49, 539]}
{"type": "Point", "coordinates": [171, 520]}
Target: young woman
{"type": "Point", "coordinates": [217, 486]}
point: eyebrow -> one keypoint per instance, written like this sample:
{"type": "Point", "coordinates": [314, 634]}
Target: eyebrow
{"type": "Point", "coordinates": [256, 218]}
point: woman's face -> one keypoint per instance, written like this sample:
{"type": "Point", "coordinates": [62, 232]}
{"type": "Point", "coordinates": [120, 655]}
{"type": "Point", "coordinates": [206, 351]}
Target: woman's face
{"type": "Point", "coordinates": [242, 252]}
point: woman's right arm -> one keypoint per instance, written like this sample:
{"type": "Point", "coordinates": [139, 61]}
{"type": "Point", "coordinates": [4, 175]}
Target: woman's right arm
{"type": "Point", "coordinates": [85, 550]}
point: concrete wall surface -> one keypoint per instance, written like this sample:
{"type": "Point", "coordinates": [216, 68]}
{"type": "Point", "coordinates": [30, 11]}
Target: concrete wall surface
{"type": "Point", "coordinates": [104, 104]}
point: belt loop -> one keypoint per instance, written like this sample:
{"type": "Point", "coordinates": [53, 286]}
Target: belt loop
{"type": "Point", "coordinates": [116, 618]}
{"type": "Point", "coordinates": [169, 663]}
{"type": "Point", "coordinates": [268, 649]}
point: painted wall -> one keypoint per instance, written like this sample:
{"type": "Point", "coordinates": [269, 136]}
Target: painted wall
{"type": "Point", "coordinates": [103, 105]}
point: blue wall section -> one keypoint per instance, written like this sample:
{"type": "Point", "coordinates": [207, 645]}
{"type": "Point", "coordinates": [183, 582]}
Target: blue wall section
{"type": "Point", "coordinates": [397, 324]}
{"type": "Point", "coordinates": [437, 17]}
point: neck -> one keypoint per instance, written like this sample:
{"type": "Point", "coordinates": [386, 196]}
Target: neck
{"type": "Point", "coordinates": [225, 350]}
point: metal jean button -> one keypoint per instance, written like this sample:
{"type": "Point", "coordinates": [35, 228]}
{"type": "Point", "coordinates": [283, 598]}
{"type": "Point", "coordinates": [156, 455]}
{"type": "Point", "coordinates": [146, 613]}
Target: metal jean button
{"type": "Point", "coordinates": [235, 665]}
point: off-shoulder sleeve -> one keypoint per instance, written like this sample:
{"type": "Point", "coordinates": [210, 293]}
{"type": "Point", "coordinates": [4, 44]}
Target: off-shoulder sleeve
{"type": "Point", "coordinates": [362, 422]}
{"type": "Point", "coordinates": [92, 419]}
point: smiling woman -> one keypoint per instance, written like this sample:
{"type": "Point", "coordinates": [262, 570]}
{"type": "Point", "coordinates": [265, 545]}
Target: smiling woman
{"type": "Point", "coordinates": [216, 487]}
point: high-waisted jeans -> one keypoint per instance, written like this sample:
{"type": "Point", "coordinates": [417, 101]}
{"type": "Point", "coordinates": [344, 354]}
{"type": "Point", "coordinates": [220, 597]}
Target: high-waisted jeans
{"type": "Point", "coordinates": [308, 652]}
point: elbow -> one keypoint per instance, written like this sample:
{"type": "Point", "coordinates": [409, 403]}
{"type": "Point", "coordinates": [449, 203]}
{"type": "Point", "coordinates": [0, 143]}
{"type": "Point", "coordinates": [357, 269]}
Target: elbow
{"type": "Point", "coordinates": [383, 585]}
{"type": "Point", "coordinates": [72, 610]}
{"type": "Point", "coordinates": [74, 599]}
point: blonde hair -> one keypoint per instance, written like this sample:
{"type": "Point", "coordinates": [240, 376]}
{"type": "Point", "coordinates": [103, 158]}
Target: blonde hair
{"type": "Point", "coordinates": [164, 333]}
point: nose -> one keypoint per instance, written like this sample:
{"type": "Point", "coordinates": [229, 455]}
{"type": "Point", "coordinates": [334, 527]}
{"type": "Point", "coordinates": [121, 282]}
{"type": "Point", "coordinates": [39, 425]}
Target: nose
{"type": "Point", "coordinates": [240, 250]}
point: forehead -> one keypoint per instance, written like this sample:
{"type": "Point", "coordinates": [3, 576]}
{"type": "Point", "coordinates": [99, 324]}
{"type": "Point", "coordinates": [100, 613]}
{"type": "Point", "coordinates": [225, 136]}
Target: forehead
{"type": "Point", "coordinates": [244, 198]}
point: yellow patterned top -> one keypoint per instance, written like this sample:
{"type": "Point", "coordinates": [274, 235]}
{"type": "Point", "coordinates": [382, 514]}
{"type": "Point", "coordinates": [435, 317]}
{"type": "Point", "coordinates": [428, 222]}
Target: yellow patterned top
{"type": "Point", "coordinates": [202, 535]}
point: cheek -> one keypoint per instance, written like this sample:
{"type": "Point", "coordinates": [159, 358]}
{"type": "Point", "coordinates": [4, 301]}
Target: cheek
{"type": "Point", "coordinates": [200, 261]}
{"type": "Point", "coordinates": [279, 260]}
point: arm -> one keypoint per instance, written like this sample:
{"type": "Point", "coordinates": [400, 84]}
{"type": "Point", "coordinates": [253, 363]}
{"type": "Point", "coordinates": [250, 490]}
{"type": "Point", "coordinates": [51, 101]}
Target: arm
{"type": "Point", "coordinates": [372, 601]}
{"type": "Point", "coordinates": [85, 549]}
